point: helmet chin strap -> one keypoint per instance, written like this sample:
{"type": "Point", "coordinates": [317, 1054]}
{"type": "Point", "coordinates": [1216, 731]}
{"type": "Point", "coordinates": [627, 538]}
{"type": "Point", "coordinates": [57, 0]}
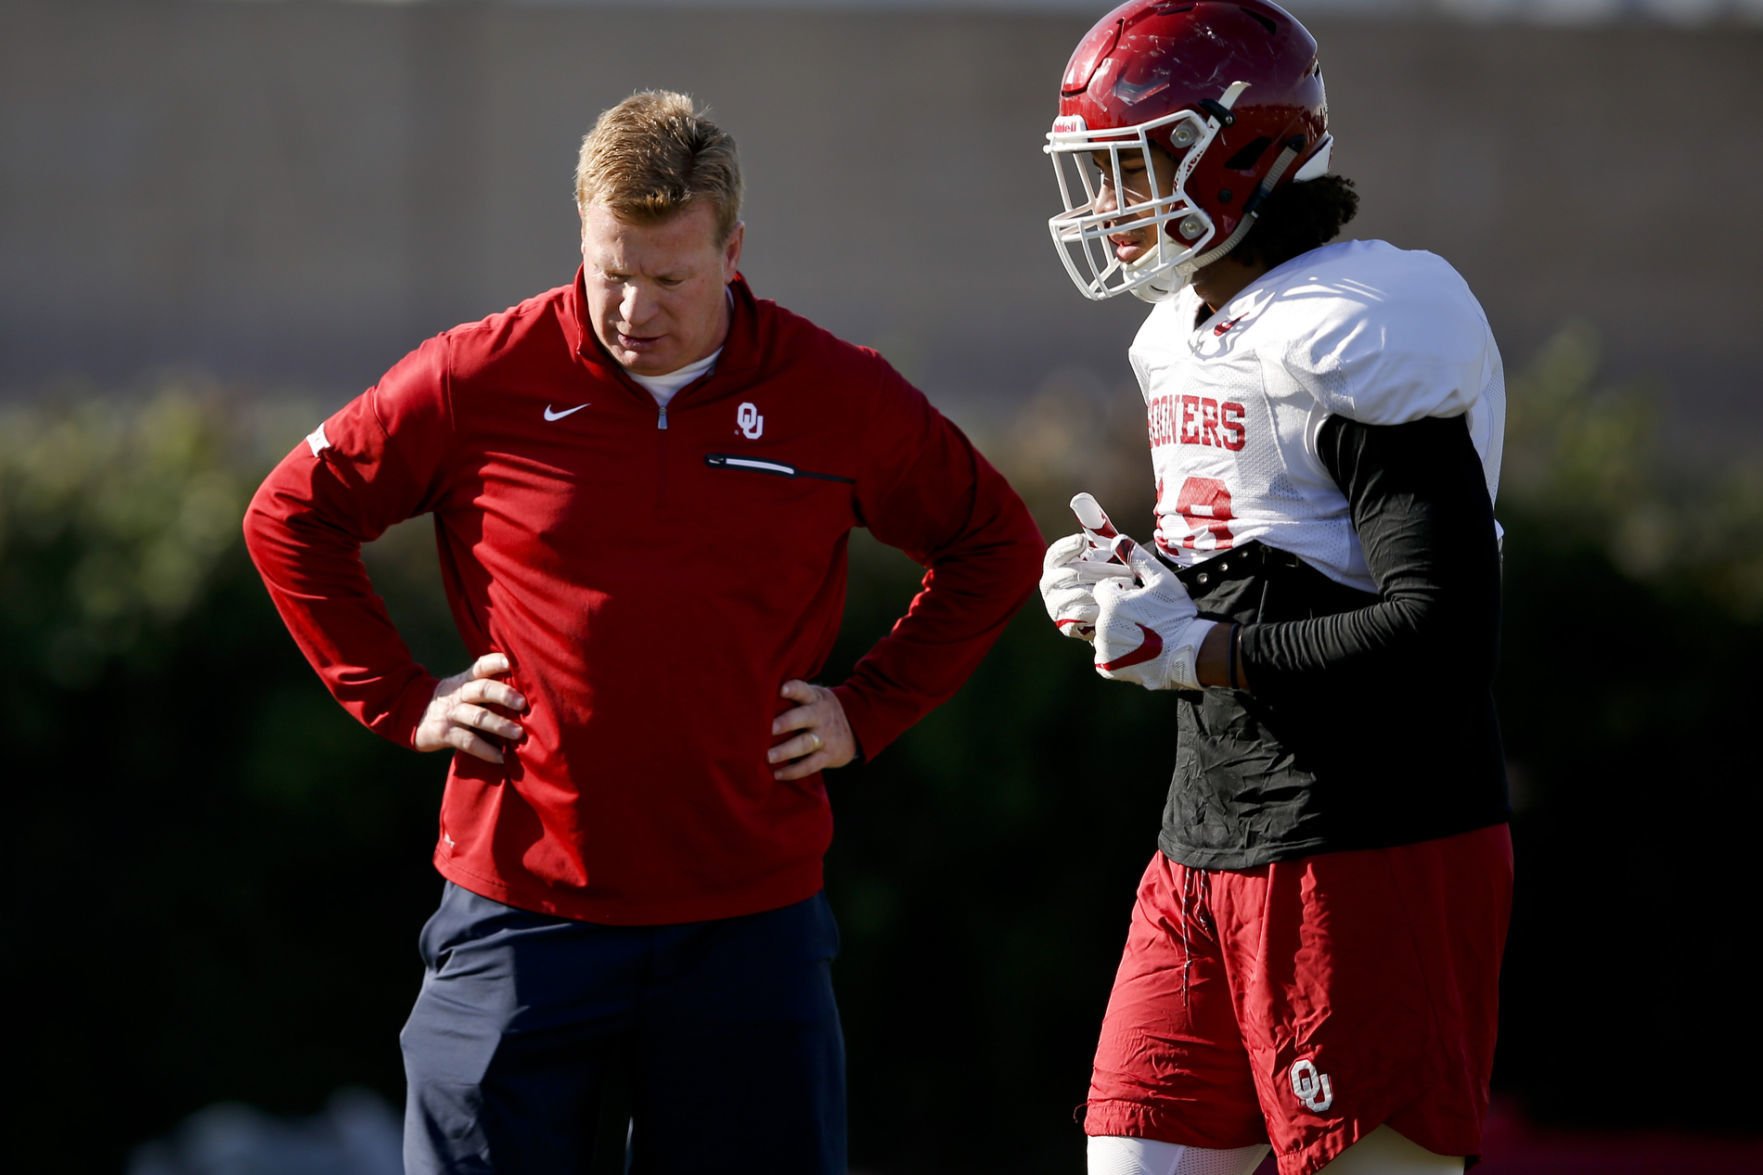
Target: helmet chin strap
{"type": "Point", "coordinates": [1163, 286]}
{"type": "Point", "coordinates": [1166, 285]}
{"type": "Point", "coordinates": [1156, 290]}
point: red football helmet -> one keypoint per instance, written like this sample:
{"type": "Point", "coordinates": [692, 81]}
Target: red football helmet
{"type": "Point", "coordinates": [1230, 89]}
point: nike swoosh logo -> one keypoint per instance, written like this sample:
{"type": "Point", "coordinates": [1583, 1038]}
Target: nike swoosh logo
{"type": "Point", "coordinates": [554, 415]}
{"type": "Point", "coordinates": [1149, 650]}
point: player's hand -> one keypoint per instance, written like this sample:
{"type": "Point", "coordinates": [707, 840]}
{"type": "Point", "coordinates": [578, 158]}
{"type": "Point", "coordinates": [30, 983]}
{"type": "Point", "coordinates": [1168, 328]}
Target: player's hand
{"type": "Point", "coordinates": [1148, 632]}
{"type": "Point", "coordinates": [1075, 565]}
{"type": "Point", "coordinates": [815, 733]}
{"type": "Point", "coordinates": [459, 718]}
{"type": "Point", "coordinates": [1069, 575]}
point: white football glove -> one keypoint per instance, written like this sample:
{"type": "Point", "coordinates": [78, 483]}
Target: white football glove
{"type": "Point", "coordinates": [1148, 631]}
{"type": "Point", "coordinates": [1069, 575]}
{"type": "Point", "coordinates": [1075, 565]}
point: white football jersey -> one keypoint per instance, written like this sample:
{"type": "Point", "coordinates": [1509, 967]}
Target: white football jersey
{"type": "Point", "coordinates": [1234, 405]}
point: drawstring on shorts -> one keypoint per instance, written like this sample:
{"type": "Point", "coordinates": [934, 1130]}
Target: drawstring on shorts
{"type": "Point", "coordinates": [1196, 897]}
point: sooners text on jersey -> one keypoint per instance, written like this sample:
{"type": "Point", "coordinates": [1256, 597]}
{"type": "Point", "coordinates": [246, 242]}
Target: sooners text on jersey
{"type": "Point", "coordinates": [1359, 329]}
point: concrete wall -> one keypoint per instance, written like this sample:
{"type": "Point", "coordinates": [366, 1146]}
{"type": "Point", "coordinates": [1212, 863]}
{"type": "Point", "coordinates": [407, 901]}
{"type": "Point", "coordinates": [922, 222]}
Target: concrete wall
{"type": "Point", "coordinates": [291, 195]}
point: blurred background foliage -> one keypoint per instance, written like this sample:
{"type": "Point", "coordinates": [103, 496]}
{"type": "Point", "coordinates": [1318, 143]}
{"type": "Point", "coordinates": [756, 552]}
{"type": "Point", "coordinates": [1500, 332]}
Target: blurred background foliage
{"type": "Point", "coordinates": [220, 878]}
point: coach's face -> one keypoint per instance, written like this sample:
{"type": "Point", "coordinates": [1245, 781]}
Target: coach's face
{"type": "Point", "coordinates": [657, 292]}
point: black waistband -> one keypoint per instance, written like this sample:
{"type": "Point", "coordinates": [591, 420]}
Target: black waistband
{"type": "Point", "coordinates": [1252, 558]}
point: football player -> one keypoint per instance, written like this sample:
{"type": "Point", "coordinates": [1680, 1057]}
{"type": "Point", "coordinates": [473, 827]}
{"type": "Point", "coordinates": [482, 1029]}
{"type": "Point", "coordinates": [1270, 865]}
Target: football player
{"type": "Point", "coordinates": [1313, 956]}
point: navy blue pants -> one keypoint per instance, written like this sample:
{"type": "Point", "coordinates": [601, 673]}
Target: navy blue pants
{"type": "Point", "coordinates": [711, 1046]}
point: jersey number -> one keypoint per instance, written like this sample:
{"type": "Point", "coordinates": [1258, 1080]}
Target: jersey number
{"type": "Point", "coordinates": [1204, 505]}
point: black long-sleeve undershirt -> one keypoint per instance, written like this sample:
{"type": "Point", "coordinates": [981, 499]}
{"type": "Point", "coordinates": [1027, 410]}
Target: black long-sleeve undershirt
{"type": "Point", "coordinates": [1420, 506]}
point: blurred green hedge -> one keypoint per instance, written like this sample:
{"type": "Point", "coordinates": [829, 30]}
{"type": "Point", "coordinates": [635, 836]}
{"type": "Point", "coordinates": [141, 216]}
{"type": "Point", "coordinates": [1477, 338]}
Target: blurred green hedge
{"type": "Point", "coordinates": [220, 878]}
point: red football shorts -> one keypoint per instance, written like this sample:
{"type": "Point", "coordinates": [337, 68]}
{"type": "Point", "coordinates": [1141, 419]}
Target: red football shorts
{"type": "Point", "coordinates": [1307, 1002]}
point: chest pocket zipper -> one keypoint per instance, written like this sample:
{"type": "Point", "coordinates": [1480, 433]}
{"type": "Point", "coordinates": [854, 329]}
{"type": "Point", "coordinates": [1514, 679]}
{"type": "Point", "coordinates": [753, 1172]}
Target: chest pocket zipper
{"type": "Point", "coordinates": [774, 468]}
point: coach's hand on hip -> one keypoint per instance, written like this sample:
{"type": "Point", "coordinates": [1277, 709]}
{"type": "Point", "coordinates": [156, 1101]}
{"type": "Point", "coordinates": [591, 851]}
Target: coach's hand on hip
{"type": "Point", "coordinates": [819, 735]}
{"type": "Point", "coordinates": [457, 718]}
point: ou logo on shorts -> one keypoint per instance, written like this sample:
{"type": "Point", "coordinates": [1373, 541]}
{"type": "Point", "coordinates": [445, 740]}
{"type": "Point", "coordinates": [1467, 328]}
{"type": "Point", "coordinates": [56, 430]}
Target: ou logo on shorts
{"type": "Point", "coordinates": [1312, 1088]}
{"type": "Point", "coordinates": [750, 422]}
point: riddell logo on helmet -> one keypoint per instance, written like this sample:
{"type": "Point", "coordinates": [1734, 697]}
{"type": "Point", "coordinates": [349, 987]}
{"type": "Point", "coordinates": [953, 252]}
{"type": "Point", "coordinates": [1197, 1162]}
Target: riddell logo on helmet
{"type": "Point", "coordinates": [1067, 124]}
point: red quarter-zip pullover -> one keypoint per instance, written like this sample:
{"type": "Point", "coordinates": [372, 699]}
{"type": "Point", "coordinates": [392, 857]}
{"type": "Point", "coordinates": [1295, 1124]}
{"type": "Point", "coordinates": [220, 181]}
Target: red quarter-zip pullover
{"type": "Point", "coordinates": [654, 577]}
